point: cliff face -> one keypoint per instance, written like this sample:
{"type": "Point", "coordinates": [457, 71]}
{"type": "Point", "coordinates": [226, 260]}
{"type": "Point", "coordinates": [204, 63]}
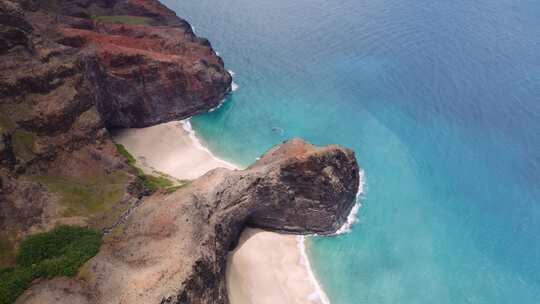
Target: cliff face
{"type": "Point", "coordinates": [134, 61]}
{"type": "Point", "coordinates": [70, 70]}
{"type": "Point", "coordinates": [173, 248]}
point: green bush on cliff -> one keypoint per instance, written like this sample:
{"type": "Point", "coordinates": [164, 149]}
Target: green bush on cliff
{"type": "Point", "coordinates": [59, 252]}
{"type": "Point", "coordinates": [7, 249]}
{"type": "Point", "coordinates": [151, 182]}
{"type": "Point", "coordinates": [124, 152]}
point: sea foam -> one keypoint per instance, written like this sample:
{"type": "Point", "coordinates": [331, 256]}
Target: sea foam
{"type": "Point", "coordinates": [234, 87]}
{"type": "Point", "coordinates": [318, 296]}
{"type": "Point", "coordinates": [186, 125]}
{"type": "Point", "coordinates": [352, 218]}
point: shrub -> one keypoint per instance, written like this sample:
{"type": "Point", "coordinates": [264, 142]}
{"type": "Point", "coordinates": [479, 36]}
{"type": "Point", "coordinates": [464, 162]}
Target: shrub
{"type": "Point", "coordinates": [151, 182]}
{"type": "Point", "coordinates": [59, 252]}
{"type": "Point", "coordinates": [124, 152]}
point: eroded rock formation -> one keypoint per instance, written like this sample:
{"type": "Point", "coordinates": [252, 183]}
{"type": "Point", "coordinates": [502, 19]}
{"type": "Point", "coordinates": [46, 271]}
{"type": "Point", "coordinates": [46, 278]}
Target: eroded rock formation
{"type": "Point", "coordinates": [173, 248]}
{"type": "Point", "coordinates": [72, 69]}
{"type": "Point", "coordinates": [69, 71]}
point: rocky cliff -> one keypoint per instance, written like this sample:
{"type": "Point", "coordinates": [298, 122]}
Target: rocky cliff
{"type": "Point", "coordinates": [173, 248]}
{"type": "Point", "coordinates": [69, 71]}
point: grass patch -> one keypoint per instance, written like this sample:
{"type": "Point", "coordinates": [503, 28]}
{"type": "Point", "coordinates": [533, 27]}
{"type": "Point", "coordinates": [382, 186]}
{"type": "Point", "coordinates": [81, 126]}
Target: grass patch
{"type": "Point", "coordinates": [22, 141]}
{"type": "Point", "coordinates": [23, 144]}
{"type": "Point", "coordinates": [123, 19]}
{"type": "Point", "coordinates": [59, 252]}
{"type": "Point", "coordinates": [7, 249]}
{"type": "Point", "coordinates": [87, 197]}
{"type": "Point", "coordinates": [5, 122]}
{"type": "Point", "coordinates": [85, 272]}
{"type": "Point", "coordinates": [151, 182]}
{"type": "Point", "coordinates": [155, 182]}
{"type": "Point", "coordinates": [124, 152]}
{"type": "Point", "coordinates": [174, 188]}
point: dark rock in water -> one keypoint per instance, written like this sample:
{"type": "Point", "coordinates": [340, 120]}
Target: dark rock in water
{"type": "Point", "coordinates": [173, 248]}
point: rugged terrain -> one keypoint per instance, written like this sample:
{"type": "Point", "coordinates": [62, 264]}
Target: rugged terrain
{"type": "Point", "coordinates": [173, 248]}
{"type": "Point", "coordinates": [69, 72]}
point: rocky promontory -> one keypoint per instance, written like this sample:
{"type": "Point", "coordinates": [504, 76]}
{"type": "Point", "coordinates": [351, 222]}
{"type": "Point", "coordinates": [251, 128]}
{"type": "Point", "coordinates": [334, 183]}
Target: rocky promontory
{"type": "Point", "coordinates": [173, 248]}
{"type": "Point", "coordinates": [71, 70]}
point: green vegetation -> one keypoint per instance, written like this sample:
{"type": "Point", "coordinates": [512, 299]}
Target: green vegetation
{"type": "Point", "coordinates": [124, 19]}
{"type": "Point", "coordinates": [174, 188]}
{"type": "Point", "coordinates": [152, 182]}
{"type": "Point", "coordinates": [23, 144]}
{"type": "Point", "coordinates": [22, 141]}
{"type": "Point", "coordinates": [124, 152]}
{"type": "Point", "coordinates": [87, 197]}
{"type": "Point", "coordinates": [59, 252]}
{"type": "Point", "coordinates": [85, 272]}
{"type": "Point", "coordinates": [7, 249]}
{"type": "Point", "coordinates": [5, 123]}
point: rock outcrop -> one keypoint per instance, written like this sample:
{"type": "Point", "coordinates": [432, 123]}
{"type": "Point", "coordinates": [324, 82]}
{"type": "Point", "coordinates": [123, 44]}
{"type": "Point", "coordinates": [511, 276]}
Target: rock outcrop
{"type": "Point", "coordinates": [173, 248]}
{"type": "Point", "coordinates": [70, 70]}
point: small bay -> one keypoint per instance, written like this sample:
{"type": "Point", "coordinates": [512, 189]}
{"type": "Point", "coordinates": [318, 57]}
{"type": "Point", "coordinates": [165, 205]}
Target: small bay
{"type": "Point", "coordinates": [441, 102]}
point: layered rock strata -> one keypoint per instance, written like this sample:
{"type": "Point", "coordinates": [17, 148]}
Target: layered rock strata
{"type": "Point", "coordinates": [69, 71]}
{"type": "Point", "coordinates": [173, 248]}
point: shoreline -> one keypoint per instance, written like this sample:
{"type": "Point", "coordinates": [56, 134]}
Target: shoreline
{"type": "Point", "coordinates": [171, 148]}
{"type": "Point", "coordinates": [165, 148]}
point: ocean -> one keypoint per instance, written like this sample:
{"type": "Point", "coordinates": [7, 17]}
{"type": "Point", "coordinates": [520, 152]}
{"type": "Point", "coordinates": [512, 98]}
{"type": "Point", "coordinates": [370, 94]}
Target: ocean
{"type": "Point", "coordinates": [440, 101]}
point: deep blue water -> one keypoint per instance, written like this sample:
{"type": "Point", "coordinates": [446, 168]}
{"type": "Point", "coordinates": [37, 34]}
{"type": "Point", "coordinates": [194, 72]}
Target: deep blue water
{"type": "Point", "coordinates": [441, 102]}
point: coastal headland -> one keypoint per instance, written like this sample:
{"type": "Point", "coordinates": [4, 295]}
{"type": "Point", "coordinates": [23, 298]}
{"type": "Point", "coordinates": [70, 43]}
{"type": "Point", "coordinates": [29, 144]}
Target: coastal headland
{"type": "Point", "coordinates": [73, 72]}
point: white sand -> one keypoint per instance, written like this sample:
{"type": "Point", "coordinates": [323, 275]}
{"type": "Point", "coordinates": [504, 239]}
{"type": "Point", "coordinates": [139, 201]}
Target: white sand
{"type": "Point", "coordinates": [266, 267]}
{"type": "Point", "coordinates": [170, 148]}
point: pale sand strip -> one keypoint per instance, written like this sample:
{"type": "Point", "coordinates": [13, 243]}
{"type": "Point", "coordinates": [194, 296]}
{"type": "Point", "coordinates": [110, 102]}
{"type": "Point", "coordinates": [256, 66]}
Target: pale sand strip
{"type": "Point", "coordinates": [169, 148]}
{"type": "Point", "coordinates": [266, 267]}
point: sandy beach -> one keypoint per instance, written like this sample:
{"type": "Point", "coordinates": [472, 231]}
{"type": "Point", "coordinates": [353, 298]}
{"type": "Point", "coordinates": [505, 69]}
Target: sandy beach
{"type": "Point", "coordinates": [266, 267]}
{"type": "Point", "coordinates": [170, 148]}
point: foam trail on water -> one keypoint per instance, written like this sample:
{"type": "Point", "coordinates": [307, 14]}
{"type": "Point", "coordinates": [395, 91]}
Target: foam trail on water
{"type": "Point", "coordinates": [218, 106]}
{"type": "Point", "coordinates": [318, 296]}
{"type": "Point", "coordinates": [234, 86]}
{"type": "Point", "coordinates": [186, 125]}
{"type": "Point", "coordinates": [352, 217]}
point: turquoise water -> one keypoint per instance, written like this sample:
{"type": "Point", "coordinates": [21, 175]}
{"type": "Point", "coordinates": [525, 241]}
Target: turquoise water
{"type": "Point", "coordinates": [441, 102]}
